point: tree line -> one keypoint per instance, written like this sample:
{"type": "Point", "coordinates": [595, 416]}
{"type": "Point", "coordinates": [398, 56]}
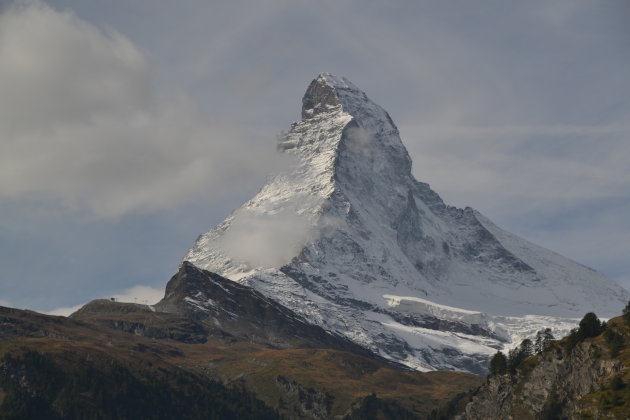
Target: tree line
{"type": "Point", "coordinates": [589, 326]}
{"type": "Point", "coordinates": [501, 364]}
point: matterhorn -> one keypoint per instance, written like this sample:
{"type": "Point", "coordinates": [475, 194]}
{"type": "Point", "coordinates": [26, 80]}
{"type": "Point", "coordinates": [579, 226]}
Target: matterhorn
{"type": "Point", "coordinates": [347, 238]}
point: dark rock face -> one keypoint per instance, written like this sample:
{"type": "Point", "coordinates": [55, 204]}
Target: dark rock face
{"type": "Point", "coordinates": [319, 97]}
{"type": "Point", "coordinates": [306, 402]}
{"type": "Point", "coordinates": [223, 305]}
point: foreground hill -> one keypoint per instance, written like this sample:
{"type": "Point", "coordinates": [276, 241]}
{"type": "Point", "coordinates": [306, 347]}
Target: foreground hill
{"type": "Point", "coordinates": [586, 375]}
{"type": "Point", "coordinates": [57, 368]}
{"type": "Point", "coordinates": [127, 361]}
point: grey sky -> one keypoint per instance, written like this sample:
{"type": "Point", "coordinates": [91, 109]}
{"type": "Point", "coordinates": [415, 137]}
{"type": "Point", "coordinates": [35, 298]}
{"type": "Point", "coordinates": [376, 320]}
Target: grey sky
{"type": "Point", "coordinates": [129, 127]}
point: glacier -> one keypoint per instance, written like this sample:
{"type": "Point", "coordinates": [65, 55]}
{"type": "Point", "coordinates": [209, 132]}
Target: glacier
{"type": "Point", "coordinates": [349, 239]}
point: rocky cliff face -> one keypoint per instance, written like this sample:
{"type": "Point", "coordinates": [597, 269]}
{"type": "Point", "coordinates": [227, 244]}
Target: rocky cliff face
{"type": "Point", "coordinates": [348, 239]}
{"type": "Point", "coordinates": [577, 382]}
{"type": "Point", "coordinates": [229, 309]}
{"type": "Point", "coordinates": [199, 305]}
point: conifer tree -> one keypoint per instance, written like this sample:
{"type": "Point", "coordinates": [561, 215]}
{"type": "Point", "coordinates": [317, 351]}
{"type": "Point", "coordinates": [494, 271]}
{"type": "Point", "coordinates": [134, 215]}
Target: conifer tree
{"type": "Point", "coordinates": [498, 364]}
{"type": "Point", "coordinates": [527, 348]}
{"type": "Point", "coordinates": [590, 326]}
{"type": "Point", "coordinates": [544, 338]}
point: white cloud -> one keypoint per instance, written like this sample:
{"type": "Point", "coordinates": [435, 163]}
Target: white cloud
{"type": "Point", "coordinates": [266, 239]}
{"type": "Point", "coordinates": [64, 310]}
{"type": "Point", "coordinates": [56, 69]}
{"type": "Point", "coordinates": [80, 123]}
{"type": "Point", "coordinates": [360, 142]}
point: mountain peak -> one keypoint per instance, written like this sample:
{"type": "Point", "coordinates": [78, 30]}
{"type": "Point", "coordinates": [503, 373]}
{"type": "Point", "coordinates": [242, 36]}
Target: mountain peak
{"type": "Point", "coordinates": [336, 81]}
{"type": "Point", "coordinates": [326, 93]}
{"type": "Point", "coordinates": [357, 129]}
{"type": "Point", "coordinates": [348, 224]}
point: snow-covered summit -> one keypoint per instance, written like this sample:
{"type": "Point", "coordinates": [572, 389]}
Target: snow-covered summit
{"type": "Point", "coordinates": [348, 229]}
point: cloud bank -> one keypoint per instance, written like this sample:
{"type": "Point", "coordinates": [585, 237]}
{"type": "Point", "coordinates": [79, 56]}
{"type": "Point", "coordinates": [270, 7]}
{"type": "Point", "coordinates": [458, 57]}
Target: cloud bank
{"type": "Point", "coordinates": [81, 123]}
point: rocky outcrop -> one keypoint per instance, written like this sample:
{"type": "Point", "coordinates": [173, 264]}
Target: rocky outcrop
{"type": "Point", "coordinates": [558, 377]}
{"type": "Point", "coordinates": [319, 97]}
{"type": "Point", "coordinates": [222, 305]}
{"type": "Point", "coordinates": [305, 402]}
{"type": "Point", "coordinates": [199, 305]}
{"type": "Point", "coordinates": [142, 320]}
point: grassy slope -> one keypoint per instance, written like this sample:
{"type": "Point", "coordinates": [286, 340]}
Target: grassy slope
{"type": "Point", "coordinates": [345, 377]}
